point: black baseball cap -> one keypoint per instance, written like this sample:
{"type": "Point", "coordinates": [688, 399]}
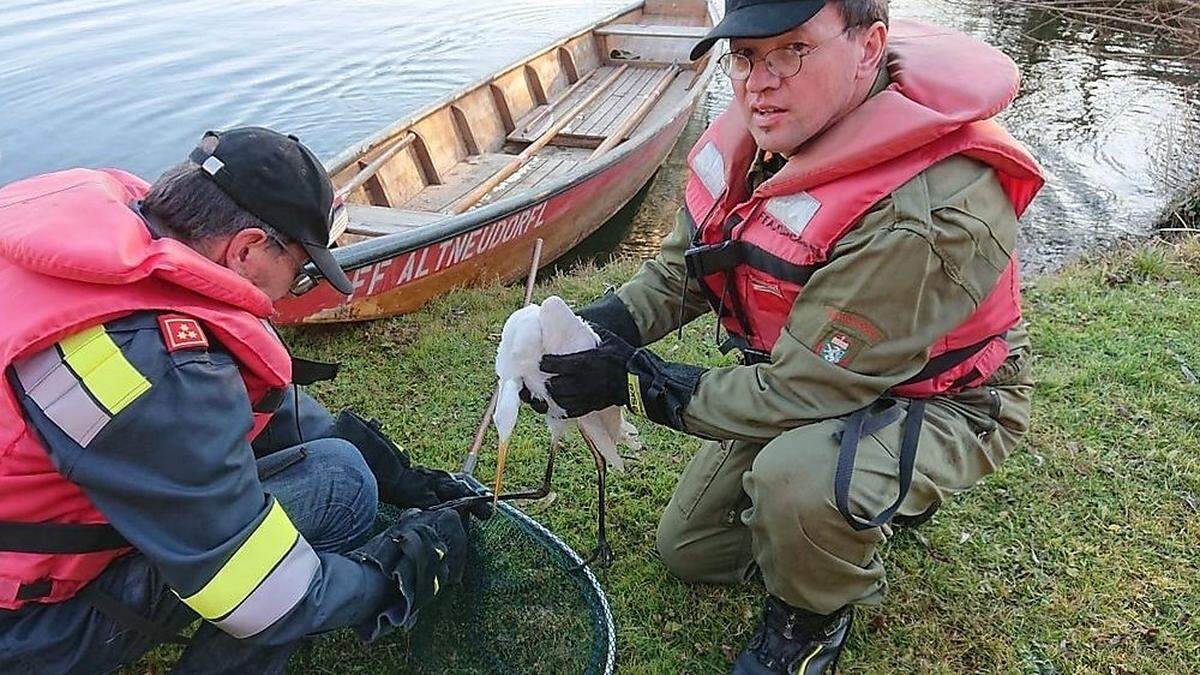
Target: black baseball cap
{"type": "Point", "coordinates": [756, 19]}
{"type": "Point", "coordinates": [283, 184]}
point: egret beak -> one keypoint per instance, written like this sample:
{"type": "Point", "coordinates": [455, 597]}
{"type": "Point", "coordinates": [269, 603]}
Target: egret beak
{"type": "Point", "coordinates": [501, 456]}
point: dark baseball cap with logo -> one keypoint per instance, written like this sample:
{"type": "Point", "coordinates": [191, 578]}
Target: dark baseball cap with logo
{"type": "Point", "coordinates": [283, 184]}
{"type": "Point", "coordinates": [758, 19]}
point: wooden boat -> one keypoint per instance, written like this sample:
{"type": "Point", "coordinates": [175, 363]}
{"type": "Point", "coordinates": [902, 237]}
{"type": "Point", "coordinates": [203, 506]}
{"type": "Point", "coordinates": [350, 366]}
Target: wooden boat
{"type": "Point", "coordinates": [549, 147]}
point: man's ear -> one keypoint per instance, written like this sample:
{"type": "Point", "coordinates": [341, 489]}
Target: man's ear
{"type": "Point", "coordinates": [874, 48]}
{"type": "Point", "coordinates": [241, 244]}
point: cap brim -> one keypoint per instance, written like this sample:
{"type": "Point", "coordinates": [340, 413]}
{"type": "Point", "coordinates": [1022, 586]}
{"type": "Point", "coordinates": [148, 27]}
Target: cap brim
{"type": "Point", "coordinates": [758, 21]}
{"type": "Point", "coordinates": [323, 259]}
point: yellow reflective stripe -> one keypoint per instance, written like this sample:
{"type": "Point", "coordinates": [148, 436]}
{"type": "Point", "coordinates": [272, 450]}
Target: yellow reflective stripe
{"type": "Point", "coordinates": [103, 369]}
{"type": "Point", "coordinates": [246, 568]}
{"type": "Point", "coordinates": [635, 396]}
{"type": "Point", "coordinates": [804, 665]}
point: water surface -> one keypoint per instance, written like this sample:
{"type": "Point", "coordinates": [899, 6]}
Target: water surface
{"type": "Point", "coordinates": [134, 84]}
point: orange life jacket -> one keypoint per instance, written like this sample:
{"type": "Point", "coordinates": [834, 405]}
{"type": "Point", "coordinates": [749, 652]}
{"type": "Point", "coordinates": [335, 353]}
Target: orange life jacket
{"type": "Point", "coordinates": [73, 254]}
{"type": "Point", "coordinates": [754, 251]}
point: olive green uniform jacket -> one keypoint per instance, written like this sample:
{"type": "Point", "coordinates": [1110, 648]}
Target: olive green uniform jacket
{"type": "Point", "coordinates": [761, 496]}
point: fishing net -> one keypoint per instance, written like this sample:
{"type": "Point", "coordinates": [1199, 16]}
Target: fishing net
{"type": "Point", "coordinates": [526, 605]}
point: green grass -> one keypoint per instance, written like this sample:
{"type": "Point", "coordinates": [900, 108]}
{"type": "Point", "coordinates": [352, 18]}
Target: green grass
{"type": "Point", "coordinates": [1078, 556]}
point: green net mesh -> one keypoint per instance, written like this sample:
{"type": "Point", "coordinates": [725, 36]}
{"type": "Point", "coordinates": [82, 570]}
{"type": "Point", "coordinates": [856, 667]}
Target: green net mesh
{"type": "Point", "coordinates": [525, 605]}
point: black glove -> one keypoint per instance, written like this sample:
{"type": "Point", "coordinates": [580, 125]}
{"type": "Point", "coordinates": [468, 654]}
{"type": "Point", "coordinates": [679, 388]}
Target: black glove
{"type": "Point", "coordinates": [610, 313]}
{"type": "Point", "coordinates": [400, 483]}
{"type": "Point", "coordinates": [590, 380]}
{"type": "Point", "coordinates": [664, 388]}
{"type": "Point", "coordinates": [539, 406]}
{"type": "Point", "coordinates": [423, 552]}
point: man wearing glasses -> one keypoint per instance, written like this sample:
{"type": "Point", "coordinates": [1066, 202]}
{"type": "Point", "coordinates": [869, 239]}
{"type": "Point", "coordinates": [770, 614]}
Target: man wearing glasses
{"type": "Point", "coordinates": [142, 381]}
{"type": "Point", "coordinates": [852, 221]}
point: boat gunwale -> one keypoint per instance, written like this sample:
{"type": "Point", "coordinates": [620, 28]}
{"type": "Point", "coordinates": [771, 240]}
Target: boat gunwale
{"type": "Point", "coordinates": [376, 249]}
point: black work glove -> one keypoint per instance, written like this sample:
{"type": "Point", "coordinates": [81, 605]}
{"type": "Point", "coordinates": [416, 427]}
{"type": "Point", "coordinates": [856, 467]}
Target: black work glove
{"type": "Point", "coordinates": [422, 553]}
{"type": "Point", "coordinates": [400, 483]}
{"type": "Point", "coordinates": [590, 380]}
{"type": "Point", "coordinates": [663, 388]}
{"type": "Point", "coordinates": [614, 373]}
{"type": "Point", "coordinates": [539, 406]}
{"type": "Point", "coordinates": [610, 313]}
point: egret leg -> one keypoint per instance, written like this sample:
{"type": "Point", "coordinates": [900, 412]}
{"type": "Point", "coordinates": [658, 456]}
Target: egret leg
{"type": "Point", "coordinates": [602, 555]}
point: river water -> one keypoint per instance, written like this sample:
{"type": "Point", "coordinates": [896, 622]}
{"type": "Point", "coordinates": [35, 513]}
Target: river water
{"type": "Point", "coordinates": [134, 84]}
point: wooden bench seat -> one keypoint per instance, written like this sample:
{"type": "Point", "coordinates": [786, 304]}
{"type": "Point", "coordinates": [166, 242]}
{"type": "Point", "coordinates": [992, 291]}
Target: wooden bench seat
{"type": "Point", "coordinates": [376, 221]}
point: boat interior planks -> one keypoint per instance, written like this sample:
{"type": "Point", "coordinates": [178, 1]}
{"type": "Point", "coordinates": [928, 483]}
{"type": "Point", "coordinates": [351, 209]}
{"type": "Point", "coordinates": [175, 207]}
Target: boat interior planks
{"type": "Point", "coordinates": [562, 138]}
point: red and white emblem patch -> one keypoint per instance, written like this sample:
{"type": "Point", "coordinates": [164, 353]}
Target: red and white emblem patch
{"type": "Point", "coordinates": [181, 332]}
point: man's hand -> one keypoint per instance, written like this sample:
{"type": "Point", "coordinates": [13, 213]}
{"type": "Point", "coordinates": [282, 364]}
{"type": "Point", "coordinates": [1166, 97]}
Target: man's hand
{"type": "Point", "coordinates": [422, 553]}
{"type": "Point", "coordinates": [400, 483]}
{"type": "Point", "coordinates": [422, 488]}
{"type": "Point", "coordinates": [539, 406]}
{"type": "Point", "coordinates": [590, 380]}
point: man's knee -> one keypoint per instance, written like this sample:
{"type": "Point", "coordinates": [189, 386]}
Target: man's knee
{"type": "Point", "coordinates": [793, 473]}
{"type": "Point", "coordinates": [340, 485]}
{"type": "Point", "coordinates": [704, 552]}
{"type": "Point", "coordinates": [669, 543]}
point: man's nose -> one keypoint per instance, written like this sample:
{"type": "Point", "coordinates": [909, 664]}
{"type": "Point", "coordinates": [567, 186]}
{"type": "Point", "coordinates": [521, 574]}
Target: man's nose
{"type": "Point", "coordinates": [760, 78]}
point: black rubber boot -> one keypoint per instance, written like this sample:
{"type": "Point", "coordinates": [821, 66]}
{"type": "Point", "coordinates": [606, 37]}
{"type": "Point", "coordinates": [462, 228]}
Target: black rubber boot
{"type": "Point", "coordinates": [793, 641]}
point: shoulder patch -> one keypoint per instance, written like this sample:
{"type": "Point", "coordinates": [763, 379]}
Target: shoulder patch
{"type": "Point", "coordinates": [857, 323]}
{"type": "Point", "coordinates": [839, 348]}
{"type": "Point", "coordinates": [181, 332]}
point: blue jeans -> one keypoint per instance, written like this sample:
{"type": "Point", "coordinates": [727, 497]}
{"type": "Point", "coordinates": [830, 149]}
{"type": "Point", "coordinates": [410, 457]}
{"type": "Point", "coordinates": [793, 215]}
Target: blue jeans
{"type": "Point", "coordinates": [330, 496]}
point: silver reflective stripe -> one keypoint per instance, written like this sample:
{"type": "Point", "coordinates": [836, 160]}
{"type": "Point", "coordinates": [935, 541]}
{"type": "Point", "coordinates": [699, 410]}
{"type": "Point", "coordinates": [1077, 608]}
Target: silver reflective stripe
{"type": "Point", "coordinates": [794, 211]}
{"type": "Point", "coordinates": [710, 167]}
{"type": "Point", "coordinates": [282, 590]}
{"type": "Point", "coordinates": [54, 388]}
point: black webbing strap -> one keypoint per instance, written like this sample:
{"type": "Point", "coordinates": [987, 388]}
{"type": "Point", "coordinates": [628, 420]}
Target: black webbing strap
{"type": "Point", "coordinates": [35, 590]}
{"type": "Point", "coordinates": [126, 617]}
{"type": "Point", "coordinates": [307, 371]}
{"type": "Point", "coordinates": [750, 355]}
{"type": "Point", "coordinates": [723, 256]}
{"type": "Point", "coordinates": [867, 421]}
{"type": "Point", "coordinates": [59, 538]}
{"type": "Point", "coordinates": [943, 362]}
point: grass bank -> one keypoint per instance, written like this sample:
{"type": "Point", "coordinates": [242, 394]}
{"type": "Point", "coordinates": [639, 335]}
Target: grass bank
{"type": "Point", "coordinates": [1078, 556]}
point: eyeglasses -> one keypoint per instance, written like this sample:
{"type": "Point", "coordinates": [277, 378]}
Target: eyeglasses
{"type": "Point", "coordinates": [782, 62]}
{"type": "Point", "coordinates": [304, 281]}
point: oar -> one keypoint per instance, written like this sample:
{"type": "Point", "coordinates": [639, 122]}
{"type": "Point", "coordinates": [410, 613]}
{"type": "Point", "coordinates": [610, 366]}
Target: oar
{"type": "Point", "coordinates": [558, 103]}
{"type": "Point", "coordinates": [638, 115]}
{"type": "Point", "coordinates": [527, 154]}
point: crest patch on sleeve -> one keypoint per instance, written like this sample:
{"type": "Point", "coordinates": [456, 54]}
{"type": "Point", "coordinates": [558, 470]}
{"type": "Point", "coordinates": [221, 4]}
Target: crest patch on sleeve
{"type": "Point", "coordinates": [181, 332]}
{"type": "Point", "coordinates": [839, 347]}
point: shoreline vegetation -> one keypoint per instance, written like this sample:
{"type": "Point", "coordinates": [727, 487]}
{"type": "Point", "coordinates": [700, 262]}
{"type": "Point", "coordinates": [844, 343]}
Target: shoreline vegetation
{"type": "Point", "coordinates": [1077, 556]}
{"type": "Point", "coordinates": [1171, 25]}
{"type": "Point", "coordinates": [1173, 22]}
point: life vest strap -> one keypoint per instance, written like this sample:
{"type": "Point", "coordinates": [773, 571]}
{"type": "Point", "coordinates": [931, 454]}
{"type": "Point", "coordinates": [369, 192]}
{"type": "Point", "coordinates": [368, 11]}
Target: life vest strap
{"type": "Point", "coordinates": [945, 361]}
{"type": "Point", "coordinates": [869, 420]}
{"type": "Point", "coordinates": [724, 256]}
{"type": "Point", "coordinates": [750, 355]}
{"type": "Point", "coordinates": [54, 538]}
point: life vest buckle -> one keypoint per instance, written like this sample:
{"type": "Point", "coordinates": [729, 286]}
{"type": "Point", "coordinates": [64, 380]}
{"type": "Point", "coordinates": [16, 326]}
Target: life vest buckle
{"type": "Point", "coordinates": [709, 259]}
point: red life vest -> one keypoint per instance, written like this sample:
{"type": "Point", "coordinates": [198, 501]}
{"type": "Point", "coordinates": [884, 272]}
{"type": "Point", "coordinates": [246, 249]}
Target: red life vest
{"type": "Point", "coordinates": [73, 254]}
{"type": "Point", "coordinates": [753, 253]}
